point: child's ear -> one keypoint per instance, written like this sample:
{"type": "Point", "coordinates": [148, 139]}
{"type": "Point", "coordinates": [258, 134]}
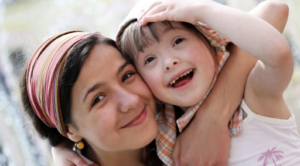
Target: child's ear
{"type": "Point", "coordinates": [73, 134]}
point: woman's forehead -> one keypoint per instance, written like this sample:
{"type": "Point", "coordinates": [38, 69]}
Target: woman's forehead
{"type": "Point", "coordinates": [102, 67]}
{"type": "Point", "coordinates": [103, 58]}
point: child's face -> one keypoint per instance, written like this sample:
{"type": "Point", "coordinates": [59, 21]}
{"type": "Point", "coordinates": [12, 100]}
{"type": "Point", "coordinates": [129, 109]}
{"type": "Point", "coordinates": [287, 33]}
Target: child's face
{"type": "Point", "coordinates": [179, 69]}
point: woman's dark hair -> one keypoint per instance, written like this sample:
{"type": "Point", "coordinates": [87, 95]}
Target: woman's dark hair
{"type": "Point", "coordinates": [75, 59]}
{"type": "Point", "coordinates": [135, 39]}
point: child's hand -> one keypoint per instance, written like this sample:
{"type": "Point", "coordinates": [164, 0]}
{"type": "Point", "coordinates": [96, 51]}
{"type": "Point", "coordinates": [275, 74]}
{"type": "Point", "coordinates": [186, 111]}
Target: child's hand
{"type": "Point", "coordinates": [172, 10]}
{"type": "Point", "coordinates": [64, 156]}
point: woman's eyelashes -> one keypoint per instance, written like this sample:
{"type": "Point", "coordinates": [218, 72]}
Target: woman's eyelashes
{"type": "Point", "coordinates": [177, 41]}
{"type": "Point", "coordinates": [97, 99]}
{"type": "Point", "coordinates": [127, 76]}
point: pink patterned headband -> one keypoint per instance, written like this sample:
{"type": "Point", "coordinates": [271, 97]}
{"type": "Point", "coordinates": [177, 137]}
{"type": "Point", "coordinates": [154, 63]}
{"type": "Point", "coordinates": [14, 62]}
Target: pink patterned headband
{"type": "Point", "coordinates": [43, 77]}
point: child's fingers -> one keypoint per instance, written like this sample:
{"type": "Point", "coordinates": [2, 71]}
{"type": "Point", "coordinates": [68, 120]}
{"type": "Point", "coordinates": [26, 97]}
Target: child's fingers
{"type": "Point", "coordinates": [156, 9]}
{"type": "Point", "coordinates": [145, 11]}
{"type": "Point", "coordinates": [153, 18]}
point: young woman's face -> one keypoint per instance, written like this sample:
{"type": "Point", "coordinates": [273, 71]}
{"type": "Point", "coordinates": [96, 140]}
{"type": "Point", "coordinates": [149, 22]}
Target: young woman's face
{"type": "Point", "coordinates": [112, 107]}
{"type": "Point", "coordinates": [179, 69]}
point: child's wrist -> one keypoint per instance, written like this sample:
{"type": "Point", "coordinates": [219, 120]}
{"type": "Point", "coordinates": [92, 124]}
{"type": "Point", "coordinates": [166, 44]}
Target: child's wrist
{"type": "Point", "coordinates": [203, 11]}
{"type": "Point", "coordinates": [217, 113]}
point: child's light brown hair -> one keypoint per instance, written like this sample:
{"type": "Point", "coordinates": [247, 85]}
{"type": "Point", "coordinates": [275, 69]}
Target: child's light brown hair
{"type": "Point", "coordinates": [135, 38]}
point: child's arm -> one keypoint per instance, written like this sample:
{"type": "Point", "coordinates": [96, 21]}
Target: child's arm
{"type": "Point", "coordinates": [272, 73]}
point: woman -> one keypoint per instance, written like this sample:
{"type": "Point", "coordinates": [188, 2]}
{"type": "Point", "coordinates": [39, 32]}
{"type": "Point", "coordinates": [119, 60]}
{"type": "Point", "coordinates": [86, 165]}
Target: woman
{"type": "Point", "coordinates": [77, 85]}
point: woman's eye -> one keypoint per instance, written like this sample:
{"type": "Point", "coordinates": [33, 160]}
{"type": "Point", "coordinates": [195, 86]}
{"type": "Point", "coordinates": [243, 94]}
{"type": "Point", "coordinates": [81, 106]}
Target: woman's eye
{"type": "Point", "coordinates": [148, 60]}
{"type": "Point", "coordinates": [177, 41]}
{"type": "Point", "coordinates": [97, 99]}
{"type": "Point", "coordinates": [127, 76]}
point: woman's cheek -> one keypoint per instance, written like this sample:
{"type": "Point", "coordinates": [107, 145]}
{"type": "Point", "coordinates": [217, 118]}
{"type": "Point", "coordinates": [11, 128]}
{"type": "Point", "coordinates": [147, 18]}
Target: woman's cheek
{"type": "Point", "coordinates": [107, 127]}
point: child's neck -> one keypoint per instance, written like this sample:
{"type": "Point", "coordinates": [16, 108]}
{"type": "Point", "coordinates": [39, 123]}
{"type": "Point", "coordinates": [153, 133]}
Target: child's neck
{"type": "Point", "coordinates": [184, 109]}
{"type": "Point", "coordinates": [104, 158]}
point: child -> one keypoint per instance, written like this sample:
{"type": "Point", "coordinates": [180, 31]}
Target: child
{"type": "Point", "coordinates": [273, 9]}
{"type": "Point", "coordinates": [179, 65]}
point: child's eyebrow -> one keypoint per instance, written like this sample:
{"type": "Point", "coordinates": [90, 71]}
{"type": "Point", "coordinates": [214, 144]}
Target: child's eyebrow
{"type": "Point", "coordinates": [168, 29]}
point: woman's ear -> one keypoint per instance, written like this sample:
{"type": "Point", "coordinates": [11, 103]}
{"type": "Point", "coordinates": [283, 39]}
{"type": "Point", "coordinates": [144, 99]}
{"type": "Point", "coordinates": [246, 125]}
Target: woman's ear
{"type": "Point", "coordinates": [73, 134]}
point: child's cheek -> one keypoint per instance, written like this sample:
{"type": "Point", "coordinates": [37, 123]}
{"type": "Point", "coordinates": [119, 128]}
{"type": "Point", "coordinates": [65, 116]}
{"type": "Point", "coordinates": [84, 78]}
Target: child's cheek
{"type": "Point", "coordinates": [199, 56]}
{"type": "Point", "coordinates": [153, 82]}
{"type": "Point", "coordinates": [192, 54]}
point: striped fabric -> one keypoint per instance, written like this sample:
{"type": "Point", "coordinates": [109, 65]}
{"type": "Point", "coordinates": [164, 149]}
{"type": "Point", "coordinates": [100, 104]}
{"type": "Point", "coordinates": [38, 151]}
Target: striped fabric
{"type": "Point", "coordinates": [235, 124]}
{"type": "Point", "coordinates": [43, 76]}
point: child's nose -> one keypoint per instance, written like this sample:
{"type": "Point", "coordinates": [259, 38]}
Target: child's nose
{"type": "Point", "coordinates": [171, 63]}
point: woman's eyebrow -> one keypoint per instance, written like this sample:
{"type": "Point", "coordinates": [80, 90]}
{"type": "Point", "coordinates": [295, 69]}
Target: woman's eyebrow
{"type": "Point", "coordinates": [98, 85]}
{"type": "Point", "coordinates": [93, 88]}
{"type": "Point", "coordinates": [122, 67]}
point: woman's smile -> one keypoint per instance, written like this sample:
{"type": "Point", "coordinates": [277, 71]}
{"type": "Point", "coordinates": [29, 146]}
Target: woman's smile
{"type": "Point", "coordinates": [138, 119]}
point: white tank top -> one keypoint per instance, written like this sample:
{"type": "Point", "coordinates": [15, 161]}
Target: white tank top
{"type": "Point", "coordinates": [265, 141]}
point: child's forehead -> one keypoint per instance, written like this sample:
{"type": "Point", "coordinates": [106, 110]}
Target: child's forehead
{"type": "Point", "coordinates": [163, 27]}
{"type": "Point", "coordinates": [155, 31]}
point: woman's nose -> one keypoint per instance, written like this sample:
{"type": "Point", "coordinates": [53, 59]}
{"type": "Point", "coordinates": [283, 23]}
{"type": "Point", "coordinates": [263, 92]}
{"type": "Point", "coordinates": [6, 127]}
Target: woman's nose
{"type": "Point", "coordinates": [128, 100]}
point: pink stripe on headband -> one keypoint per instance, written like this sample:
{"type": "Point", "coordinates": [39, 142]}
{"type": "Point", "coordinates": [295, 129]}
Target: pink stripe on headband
{"type": "Point", "coordinates": [43, 77]}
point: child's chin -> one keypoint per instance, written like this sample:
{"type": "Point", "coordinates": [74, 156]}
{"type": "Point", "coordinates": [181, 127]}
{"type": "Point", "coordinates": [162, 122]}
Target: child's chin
{"type": "Point", "coordinates": [191, 101]}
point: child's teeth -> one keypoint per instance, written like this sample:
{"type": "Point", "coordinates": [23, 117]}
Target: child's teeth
{"type": "Point", "coordinates": [186, 73]}
{"type": "Point", "coordinates": [173, 82]}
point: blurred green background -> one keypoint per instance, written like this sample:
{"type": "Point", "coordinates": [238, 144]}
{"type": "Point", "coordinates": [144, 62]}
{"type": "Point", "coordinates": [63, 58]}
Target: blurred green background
{"type": "Point", "coordinates": [24, 24]}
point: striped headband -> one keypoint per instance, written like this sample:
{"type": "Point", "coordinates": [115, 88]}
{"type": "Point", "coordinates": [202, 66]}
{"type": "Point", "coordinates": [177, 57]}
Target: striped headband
{"type": "Point", "coordinates": [43, 77]}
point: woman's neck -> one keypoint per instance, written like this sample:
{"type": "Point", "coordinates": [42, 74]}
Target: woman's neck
{"type": "Point", "coordinates": [124, 158]}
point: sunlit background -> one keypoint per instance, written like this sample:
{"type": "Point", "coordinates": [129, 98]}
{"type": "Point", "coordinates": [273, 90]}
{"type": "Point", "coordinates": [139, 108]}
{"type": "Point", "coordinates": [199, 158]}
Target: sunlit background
{"type": "Point", "coordinates": [24, 24]}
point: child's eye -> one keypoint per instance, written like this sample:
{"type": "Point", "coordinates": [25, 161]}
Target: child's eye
{"type": "Point", "coordinates": [127, 76]}
{"type": "Point", "coordinates": [97, 99]}
{"type": "Point", "coordinates": [177, 41]}
{"type": "Point", "coordinates": [149, 59]}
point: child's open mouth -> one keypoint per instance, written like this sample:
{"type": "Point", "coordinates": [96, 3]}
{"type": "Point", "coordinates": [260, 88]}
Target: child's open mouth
{"type": "Point", "coordinates": [182, 79]}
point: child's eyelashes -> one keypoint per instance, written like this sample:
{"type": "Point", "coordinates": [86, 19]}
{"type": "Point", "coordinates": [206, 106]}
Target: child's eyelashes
{"type": "Point", "coordinates": [177, 41]}
{"type": "Point", "coordinates": [149, 59]}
